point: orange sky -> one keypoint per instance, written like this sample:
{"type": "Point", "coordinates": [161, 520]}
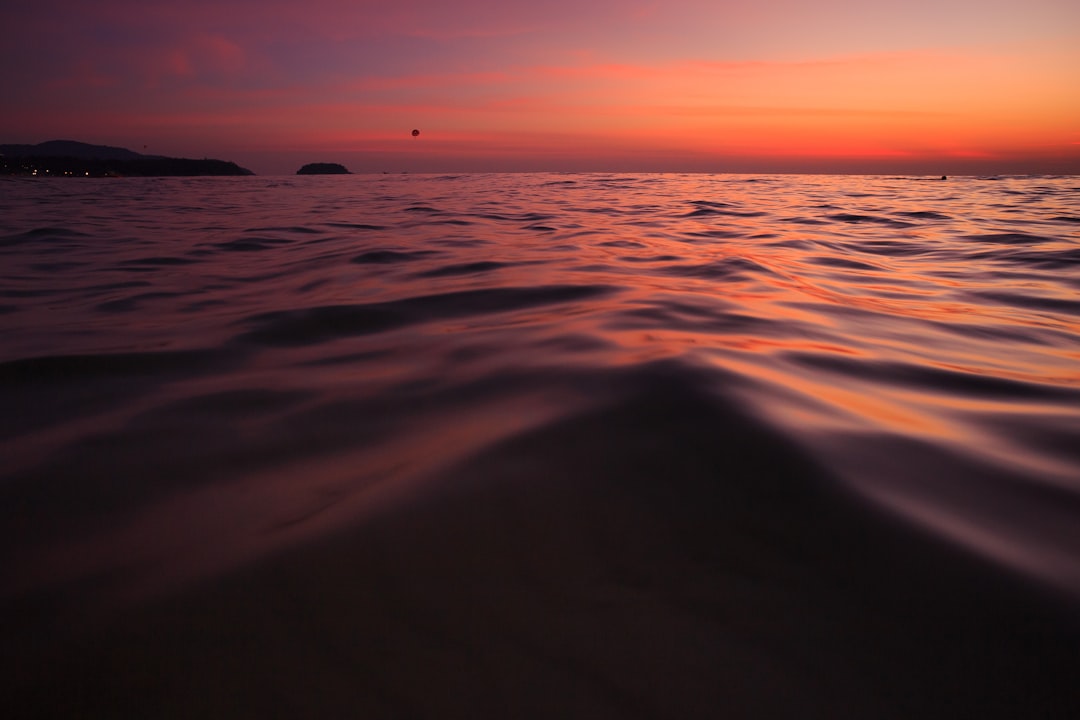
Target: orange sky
{"type": "Point", "coordinates": [951, 86]}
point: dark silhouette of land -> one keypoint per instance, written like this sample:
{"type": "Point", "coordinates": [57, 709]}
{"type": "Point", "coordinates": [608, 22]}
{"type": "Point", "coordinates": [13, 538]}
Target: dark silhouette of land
{"type": "Point", "coordinates": [68, 158]}
{"type": "Point", "coordinates": [323, 169]}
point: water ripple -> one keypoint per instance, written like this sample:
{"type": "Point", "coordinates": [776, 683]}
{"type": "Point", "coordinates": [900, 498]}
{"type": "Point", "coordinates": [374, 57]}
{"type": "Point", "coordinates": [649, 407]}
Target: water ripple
{"type": "Point", "coordinates": [615, 410]}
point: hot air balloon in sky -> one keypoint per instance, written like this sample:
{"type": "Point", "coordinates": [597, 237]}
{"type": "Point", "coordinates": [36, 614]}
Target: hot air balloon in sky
{"type": "Point", "coordinates": [415, 133]}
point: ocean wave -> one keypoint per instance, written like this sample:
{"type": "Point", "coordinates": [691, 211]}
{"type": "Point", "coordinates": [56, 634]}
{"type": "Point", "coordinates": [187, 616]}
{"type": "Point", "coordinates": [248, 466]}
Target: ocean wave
{"type": "Point", "coordinates": [618, 434]}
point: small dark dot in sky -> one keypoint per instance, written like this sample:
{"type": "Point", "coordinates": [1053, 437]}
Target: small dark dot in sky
{"type": "Point", "coordinates": [415, 133]}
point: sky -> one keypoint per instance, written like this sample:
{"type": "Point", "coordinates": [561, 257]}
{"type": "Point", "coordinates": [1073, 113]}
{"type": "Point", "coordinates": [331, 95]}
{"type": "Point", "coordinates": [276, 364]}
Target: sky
{"type": "Point", "coordinates": [912, 86]}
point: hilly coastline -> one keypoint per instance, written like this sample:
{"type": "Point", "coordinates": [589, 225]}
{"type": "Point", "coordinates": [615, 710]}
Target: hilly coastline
{"type": "Point", "coordinates": [69, 158]}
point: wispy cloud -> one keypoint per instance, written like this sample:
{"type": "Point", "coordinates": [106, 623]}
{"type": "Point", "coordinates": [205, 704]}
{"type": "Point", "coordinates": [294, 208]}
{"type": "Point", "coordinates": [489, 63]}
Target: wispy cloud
{"type": "Point", "coordinates": [716, 77]}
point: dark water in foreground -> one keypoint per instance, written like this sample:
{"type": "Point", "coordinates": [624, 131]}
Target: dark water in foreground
{"type": "Point", "coordinates": [540, 446]}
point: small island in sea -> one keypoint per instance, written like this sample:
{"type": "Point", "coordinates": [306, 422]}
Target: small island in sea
{"type": "Point", "coordinates": [68, 158]}
{"type": "Point", "coordinates": [323, 169]}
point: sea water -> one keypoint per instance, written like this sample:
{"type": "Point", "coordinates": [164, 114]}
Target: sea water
{"type": "Point", "coordinates": [541, 445]}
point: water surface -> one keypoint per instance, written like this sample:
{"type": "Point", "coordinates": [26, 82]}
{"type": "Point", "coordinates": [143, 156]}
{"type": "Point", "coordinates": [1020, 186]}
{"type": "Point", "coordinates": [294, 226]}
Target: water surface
{"type": "Point", "coordinates": [424, 445]}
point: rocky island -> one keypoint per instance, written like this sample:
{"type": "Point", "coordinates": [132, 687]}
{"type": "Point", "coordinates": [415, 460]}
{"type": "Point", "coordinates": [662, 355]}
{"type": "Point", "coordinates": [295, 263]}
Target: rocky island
{"type": "Point", "coordinates": [323, 169]}
{"type": "Point", "coordinates": [68, 158]}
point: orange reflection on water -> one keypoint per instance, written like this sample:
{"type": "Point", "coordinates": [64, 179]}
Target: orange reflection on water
{"type": "Point", "coordinates": [373, 332]}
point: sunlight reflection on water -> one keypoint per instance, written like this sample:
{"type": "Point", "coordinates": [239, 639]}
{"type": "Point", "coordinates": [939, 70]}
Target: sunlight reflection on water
{"type": "Point", "coordinates": [847, 306]}
{"type": "Point", "coordinates": [200, 372]}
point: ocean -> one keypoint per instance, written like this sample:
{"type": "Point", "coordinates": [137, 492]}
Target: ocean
{"type": "Point", "coordinates": [540, 445]}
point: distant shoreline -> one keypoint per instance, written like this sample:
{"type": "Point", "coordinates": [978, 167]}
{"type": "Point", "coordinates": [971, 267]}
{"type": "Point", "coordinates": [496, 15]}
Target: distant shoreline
{"type": "Point", "coordinates": [34, 166]}
{"type": "Point", "coordinates": [68, 158]}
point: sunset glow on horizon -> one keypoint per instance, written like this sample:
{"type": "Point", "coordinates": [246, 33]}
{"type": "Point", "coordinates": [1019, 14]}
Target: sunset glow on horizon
{"type": "Point", "coordinates": [777, 86]}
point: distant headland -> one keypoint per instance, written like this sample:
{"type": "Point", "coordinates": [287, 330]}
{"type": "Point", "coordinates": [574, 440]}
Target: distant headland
{"type": "Point", "coordinates": [68, 158]}
{"type": "Point", "coordinates": [323, 169]}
